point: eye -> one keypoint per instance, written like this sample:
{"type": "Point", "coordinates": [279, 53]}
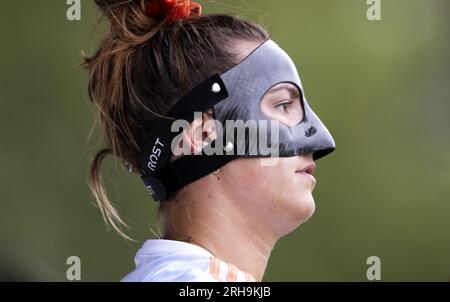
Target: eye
{"type": "Point", "coordinates": [283, 103]}
{"type": "Point", "coordinates": [284, 106]}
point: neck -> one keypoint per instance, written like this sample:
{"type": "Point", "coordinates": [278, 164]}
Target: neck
{"type": "Point", "coordinates": [217, 225]}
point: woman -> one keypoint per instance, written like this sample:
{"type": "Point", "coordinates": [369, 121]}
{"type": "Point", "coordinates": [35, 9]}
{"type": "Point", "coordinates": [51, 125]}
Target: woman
{"type": "Point", "coordinates": [225, 199]}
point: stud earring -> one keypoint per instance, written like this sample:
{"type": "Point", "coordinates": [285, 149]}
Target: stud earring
{"type": "Point", "coordinates": [216, 172]}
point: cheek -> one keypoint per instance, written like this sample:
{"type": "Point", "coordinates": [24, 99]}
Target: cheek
{"type": "Point", "coordinates": [274, 195]}
{"type": "Point", "coordinates": [292, 202]}
{"type": "Point", "coordinates": [273, 185]}
{"type": "Point", "coordinates": [241, 179]}
{"type": "Point", "coordinates": [254, 186]}
{"type": "Point", "coordinates": [270, 183]}
{"type": "Point", "coordinates": [242, 172]}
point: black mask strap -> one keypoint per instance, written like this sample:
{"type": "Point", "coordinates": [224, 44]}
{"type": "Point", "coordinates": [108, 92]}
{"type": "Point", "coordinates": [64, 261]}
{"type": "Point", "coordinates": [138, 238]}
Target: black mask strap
{"type": "Point", "coordinates": [162, 177]}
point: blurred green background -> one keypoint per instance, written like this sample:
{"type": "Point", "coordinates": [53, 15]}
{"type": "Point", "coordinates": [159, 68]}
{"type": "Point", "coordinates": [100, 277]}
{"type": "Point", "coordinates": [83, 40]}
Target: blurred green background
{"type": "Point", "coordinates": [382, 88]}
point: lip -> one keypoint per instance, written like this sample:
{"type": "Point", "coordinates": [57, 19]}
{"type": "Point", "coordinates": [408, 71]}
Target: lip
{"type": "Point", "coordinates": [307, 171]}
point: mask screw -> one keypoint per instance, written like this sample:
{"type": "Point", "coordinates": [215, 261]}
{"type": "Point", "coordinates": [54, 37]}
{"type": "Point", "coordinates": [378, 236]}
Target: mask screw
{"type": "Point", "coordinates": [229, 147]}
{"type": "Point", "coordinates": [216, 88]}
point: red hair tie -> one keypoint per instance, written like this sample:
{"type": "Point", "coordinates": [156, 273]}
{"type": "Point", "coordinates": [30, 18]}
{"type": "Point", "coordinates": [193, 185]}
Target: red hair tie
{"type": "Point", "coordinates": [172, 10]}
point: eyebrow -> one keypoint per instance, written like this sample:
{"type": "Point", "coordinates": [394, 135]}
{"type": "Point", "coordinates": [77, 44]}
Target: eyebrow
{"type": "Point", "coordinates": [293, 91]}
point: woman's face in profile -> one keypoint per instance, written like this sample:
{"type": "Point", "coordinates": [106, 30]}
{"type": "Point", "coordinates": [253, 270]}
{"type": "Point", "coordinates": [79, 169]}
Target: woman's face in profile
{"type": "Point", "coordinates": [279, 195]}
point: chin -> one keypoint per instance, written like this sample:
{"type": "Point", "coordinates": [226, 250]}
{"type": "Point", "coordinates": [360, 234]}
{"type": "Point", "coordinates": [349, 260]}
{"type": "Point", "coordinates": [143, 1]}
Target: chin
{"type": "Point", "coordinates": [300, 211]}
{"type": "Point", "coordinates": [309, 207]}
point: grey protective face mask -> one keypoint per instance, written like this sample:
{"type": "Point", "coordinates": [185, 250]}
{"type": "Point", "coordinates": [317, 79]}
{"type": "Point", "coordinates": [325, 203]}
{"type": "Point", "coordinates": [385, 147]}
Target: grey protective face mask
{"type": "Point", "coordinates": [235, 95]}
{"type": "Point", "coordinates": [248, 82]}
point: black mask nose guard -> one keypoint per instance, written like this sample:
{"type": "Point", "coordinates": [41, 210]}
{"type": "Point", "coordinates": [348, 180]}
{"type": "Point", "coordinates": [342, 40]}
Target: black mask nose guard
{"type": "Point", "coordinates": [235, 96]}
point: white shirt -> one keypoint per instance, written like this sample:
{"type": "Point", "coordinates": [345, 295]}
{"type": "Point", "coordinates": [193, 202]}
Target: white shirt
{"type": "Point", "coordinates": [175, 261]}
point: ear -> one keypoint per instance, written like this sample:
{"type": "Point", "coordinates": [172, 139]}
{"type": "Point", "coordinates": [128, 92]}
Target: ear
{"type": "Point", "coordinates": [198, 134]}
{"type": "Point", "coordinates": [209, 132]}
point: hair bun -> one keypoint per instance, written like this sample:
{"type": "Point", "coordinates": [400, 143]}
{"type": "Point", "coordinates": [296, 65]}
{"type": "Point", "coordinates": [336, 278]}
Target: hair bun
{"type": "Point", "coordinates": [126, 16]}
{"type": "Point", "coordinates": [172, 10]}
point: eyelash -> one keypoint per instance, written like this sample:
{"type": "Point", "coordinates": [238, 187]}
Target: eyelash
{"type": "Point", "coordinates": [283, 104]}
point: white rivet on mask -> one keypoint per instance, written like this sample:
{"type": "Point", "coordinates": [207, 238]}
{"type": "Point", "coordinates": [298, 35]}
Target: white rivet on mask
{"type": "Point", "coordinates": [228, 147]}
{"type": "Point", "coordinates": [216, 88]}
